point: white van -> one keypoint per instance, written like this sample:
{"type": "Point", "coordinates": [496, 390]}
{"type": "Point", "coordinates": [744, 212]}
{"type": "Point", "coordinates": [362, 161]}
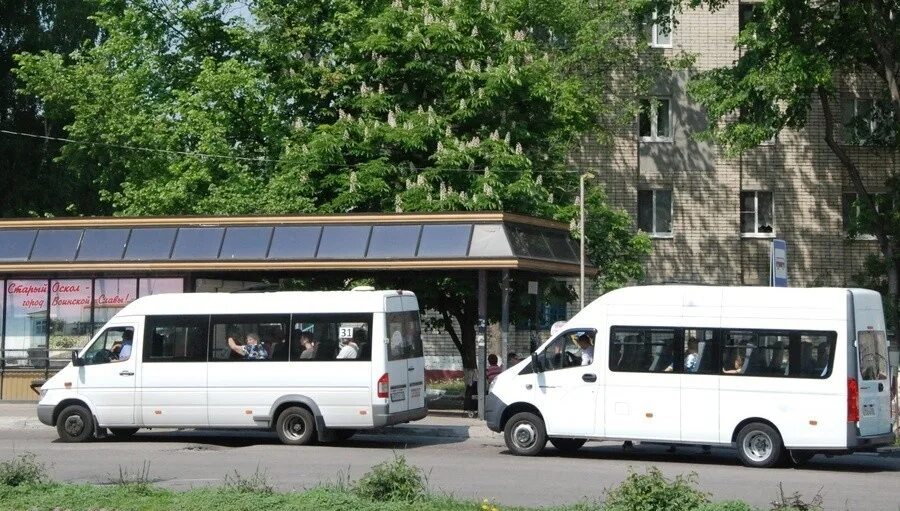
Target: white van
{"type": "Point", "coordinates": [770, 371]}
{"type": "Point", "coordinates": [306, 364]}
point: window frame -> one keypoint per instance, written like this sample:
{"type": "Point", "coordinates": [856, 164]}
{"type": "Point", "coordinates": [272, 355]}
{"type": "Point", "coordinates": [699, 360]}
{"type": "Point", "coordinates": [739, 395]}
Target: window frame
{"type": "Point", "coordinates": [677, 363]}
{"type": "Point", "coordinates": [202, 320]}
{"type": "Point", "coordinates": [559, 337]}
{"type": "Point", "coordinates": [873, 124]}
{"type": "Point", "coordinates": [246, 319]}
{"type": "Point", "coordinates": [655, 232]}
{"type": "Point", "coordinates": [294, 350]}
{"type": "Point", "coordinates": [655, 32]}
{"type": "Point", "coordinates": [652, 111]}
{"type": "Point", "coordinates": [756, 232]}
{"type": "Point", "coordinates": [104, 337]}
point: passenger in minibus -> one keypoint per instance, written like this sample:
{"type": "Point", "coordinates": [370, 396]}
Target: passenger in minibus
{"type": "Point", "coordinates": [691, 359]}
{"type": "Point", "coordinates": [349, 349]}
{"type": "Point", "coordinates": [737, 367]}
{"type": "Point", "coordinates": [252, 350]}
{"type": "Point", "coordinates": [309, 345]}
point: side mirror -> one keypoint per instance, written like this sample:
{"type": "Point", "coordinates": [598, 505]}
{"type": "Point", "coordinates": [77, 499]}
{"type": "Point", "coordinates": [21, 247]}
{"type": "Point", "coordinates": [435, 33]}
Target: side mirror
{"type": "Point", "coordinates": [77, 362]}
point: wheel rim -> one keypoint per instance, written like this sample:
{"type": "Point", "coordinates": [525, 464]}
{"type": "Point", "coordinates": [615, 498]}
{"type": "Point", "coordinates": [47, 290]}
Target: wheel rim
{"type": "Point", "coordinates": [524, 435]}
{"type": "Point", "coordinates": [758, 446]}
{"type": "Point", "coordinates": [294, 427]}
{"type": "Point", "coordinates": [74, 425]}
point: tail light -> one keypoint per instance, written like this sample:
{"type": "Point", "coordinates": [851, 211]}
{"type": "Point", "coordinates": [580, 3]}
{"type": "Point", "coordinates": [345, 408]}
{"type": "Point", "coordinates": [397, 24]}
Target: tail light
{"type": "Point", "coordinates": [383, 386]}
{"type": "Point", "coordinates": [852, 400]}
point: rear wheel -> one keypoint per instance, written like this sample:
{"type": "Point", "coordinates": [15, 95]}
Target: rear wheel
{"type": "Point", "coordinates": [123, 432]}
{"type": "Point", "coordinates": [296, 426]}
{"type": "Point", "coordinates": [525, 434]}
{"type": "Point", "coordinates": [75, 424]}
{"type": "Point", "coordinates": [759, 445]}
{"type": "Point", "coordinates": [567, 445]}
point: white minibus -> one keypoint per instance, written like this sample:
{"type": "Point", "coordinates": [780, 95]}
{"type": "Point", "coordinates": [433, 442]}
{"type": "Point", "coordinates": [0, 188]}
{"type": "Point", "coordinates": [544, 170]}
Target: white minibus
{"type": "Point", "coordinates": [310, 365]}
{"type": "Point", "coordinates": [773, 372]}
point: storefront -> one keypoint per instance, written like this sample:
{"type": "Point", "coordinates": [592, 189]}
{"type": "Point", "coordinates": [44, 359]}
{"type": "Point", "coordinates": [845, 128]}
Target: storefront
{"type": "Point", "coordinates": [63, 278]}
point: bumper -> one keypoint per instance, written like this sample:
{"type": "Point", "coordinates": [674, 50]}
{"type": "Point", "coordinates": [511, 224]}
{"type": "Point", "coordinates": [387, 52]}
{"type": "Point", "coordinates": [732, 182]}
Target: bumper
{"type": "Point", "coordinates": [867, 443]}
{"type": "Point", "coordinates": [382, 415]}
{"type": "Point", "coordinates": [493, 412]}
{"type": "Point", "coordinates": [45, 414]}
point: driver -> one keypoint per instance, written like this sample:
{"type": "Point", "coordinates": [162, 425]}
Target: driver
{"type": "Point", "coordinates": [587, 349]}
{"type": "Point", "coordinates": [125, 351]}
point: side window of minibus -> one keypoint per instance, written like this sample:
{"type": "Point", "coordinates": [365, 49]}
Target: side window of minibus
{"type": "Point", "coordinates": [334, 337]}
{"type": "Point", "coordinates": [108, 346]}
{"type": "Point", "coordinates": [642, 349]}
{"type": "Point", "coordinates": [176, 339]}
{"type": "Point", "coordinates": [254, 338]}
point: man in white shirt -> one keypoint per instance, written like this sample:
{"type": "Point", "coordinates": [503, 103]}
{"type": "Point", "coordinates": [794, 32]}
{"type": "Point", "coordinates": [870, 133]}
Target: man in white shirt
{"type": "Point", "coordinates": [587, 349]}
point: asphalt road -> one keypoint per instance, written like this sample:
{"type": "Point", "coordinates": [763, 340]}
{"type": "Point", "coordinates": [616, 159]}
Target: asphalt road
{"type": "Point", "coordinates": [474, 468]}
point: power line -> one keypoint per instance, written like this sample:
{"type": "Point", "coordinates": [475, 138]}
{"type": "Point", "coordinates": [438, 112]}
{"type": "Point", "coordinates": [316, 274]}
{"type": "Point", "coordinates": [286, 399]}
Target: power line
{"type": "Point", "coordinates": [260, 159]}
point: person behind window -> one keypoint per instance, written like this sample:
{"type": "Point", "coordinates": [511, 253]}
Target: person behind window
{"type": "Point", "coordinates": [737, 366]}
{"type": "Point", "coordinates": [587, 349]}
{"type": "Point", "coordinates": [349, 349]}
{"type": "Point", "coordinates": [512, 359]}
{"type": "Point", "coordinates": [493, 368]}
{"type": "Point", "coordinates": [692, 358]}
{"type": "Point", "coordinates": [125, 350]}
{"type": "Point", "coordinates": [252, 350]}
{"type": "Point", "coordinates": [309, 344]}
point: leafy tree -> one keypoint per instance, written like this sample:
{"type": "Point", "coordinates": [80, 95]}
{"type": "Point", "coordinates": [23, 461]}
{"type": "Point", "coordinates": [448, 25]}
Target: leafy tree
{"type": "Point", "coordinates": [356, 106]}
{"type": "Point", "coordinates": [796, 53]}
{"type": "Point", "coordinates": [32, 182]}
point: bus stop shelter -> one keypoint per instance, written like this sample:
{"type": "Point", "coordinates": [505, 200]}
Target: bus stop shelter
{"type": "Point", "coordinates": [63, 277]}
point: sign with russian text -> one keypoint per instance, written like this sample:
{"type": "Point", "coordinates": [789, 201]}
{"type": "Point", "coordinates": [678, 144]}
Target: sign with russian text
{"type": "Point", "coordinates": [779, 264]}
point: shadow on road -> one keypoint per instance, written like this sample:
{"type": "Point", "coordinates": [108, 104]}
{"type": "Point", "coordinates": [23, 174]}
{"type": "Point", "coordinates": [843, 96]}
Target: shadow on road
{"type": "Point", "coordinates": [857, 463]}
{"type": "Point", "coordinates": [201, 440]}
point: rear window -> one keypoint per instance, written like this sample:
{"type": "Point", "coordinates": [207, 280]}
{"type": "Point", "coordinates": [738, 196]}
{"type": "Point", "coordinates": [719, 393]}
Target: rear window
{"type": "Point", "coordinates": [404, 334]}
{"type": "Point", "coordinates": [873, 361]}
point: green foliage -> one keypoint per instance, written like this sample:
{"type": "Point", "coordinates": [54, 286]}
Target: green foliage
{"type": "Point", "coordinates": [652, 491]}
{"type": "Point", "coordinates": [393, 480]}
{"type": "Point", "coordinates": [33, 183]}
{"type": "Point", "coordinates": [22, 470]}
{"type": "Point", "coordinates": [796, 502]}
{"type": "Point", "coordinates": [355, 106]}
{"type": "Point", "coordinates": [728, 505]}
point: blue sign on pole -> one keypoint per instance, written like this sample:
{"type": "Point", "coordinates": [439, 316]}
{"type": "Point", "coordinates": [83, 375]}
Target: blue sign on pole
{"type": "Point", "coordinates": [779, 264]}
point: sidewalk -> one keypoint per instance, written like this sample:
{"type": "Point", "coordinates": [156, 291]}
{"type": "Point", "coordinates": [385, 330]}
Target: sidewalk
{"type": "Point", "coordinates": [441, 425]}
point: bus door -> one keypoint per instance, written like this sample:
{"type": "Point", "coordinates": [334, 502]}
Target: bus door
{"type": "Point", "coordinates": [398, 368]}
{"type": "Point", "coordinates": [874, 380]}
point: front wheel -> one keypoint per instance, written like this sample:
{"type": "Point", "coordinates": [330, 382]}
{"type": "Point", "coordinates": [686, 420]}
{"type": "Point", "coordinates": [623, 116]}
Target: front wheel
{"type": "Point", "coordinates": [567, 445]}
{"type": "Point", "coordinates": [296, 426]}
{"type": "Point", "coordinates": [759, 445]}
{"type": "Point", "coordinates": [75, 424]}
{"type": "Point", "coordinates": [525, 434]}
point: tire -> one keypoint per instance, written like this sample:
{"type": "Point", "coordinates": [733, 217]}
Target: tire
{"type": "Point", "coordinates": [567, 445]}
{"type": "Point", "coordinates": [525, 434]}
{"type": "Point", "coordinates": [296, 426]}
{"type": "Point", "coordinates": [75, 424]}
{"type": "Point", "coordinates": [123, 432]}
{"type": "Point", "coordinates": [759, 445]}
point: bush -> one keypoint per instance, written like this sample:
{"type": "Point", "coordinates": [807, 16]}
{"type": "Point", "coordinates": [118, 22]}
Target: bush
{"type": "Point", "coordinates": [653, 492]}
{"type": "Point", "coordinates": [22, 470]}
{"type": "Point", "coordinates": [258, 482]}
{"type": "Point", "coordinates": [393, 480]}
{"type": "Point", "coordinates": [728, 505]}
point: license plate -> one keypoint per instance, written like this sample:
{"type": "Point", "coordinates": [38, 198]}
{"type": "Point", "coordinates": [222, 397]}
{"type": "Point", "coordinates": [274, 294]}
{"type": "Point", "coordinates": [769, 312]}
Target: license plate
{"type": "Point", "coordinates": [415, 392]}
{"type": "Point", "coordinates": [398, 394]}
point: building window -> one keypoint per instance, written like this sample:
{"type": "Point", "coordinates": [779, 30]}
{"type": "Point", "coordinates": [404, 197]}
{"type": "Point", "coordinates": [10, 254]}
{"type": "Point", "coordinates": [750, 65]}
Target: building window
{"type": "Point", "coordinates": [872, 123]}
{"type": "Point", "coordinates": [745, 15]}
{"type": "Point", "coordinates": [655, 212]}
{"type": "Point", "coordinates": [852, 212]}
{"type": "Point", "coordinates": [757, 213]}
{"type": "Point", "coordinates": [655, 120]}
{"type": "Point", "coordinates": [661, 32]}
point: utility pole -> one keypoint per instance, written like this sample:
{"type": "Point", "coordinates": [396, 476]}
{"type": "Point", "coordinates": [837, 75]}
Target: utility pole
{"type": "Point", "coordinates": [581, 237]}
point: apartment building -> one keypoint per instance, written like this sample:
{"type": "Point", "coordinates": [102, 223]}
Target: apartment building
{"type": "Point", "coordinates": [713, 217]}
